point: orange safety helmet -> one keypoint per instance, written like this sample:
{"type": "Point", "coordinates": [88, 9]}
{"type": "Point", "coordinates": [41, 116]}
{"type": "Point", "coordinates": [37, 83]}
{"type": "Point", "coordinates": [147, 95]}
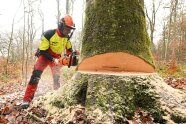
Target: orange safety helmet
{"type": "Point", "coordinates": [66, 22]}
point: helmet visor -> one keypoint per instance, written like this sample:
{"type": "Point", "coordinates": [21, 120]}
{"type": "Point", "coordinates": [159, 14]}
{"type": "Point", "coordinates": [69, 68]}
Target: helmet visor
{"type": "Point", "coordinates": [67, 30]}
{"type": "Point", "coordinates": [70, 27]}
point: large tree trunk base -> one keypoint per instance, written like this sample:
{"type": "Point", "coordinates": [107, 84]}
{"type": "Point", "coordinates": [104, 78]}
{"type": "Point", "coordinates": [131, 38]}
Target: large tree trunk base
{"type": "Point", "coordinates": [117, 96]}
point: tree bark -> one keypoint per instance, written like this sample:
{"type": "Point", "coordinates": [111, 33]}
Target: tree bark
{"type": "Point", "coordinates": [117, 96]}
{"type": "Point", "coordinates": [118, 26]}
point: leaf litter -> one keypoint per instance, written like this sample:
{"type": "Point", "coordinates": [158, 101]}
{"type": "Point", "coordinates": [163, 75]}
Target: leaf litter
{"type": "Point", "coordinates": [10, 112]}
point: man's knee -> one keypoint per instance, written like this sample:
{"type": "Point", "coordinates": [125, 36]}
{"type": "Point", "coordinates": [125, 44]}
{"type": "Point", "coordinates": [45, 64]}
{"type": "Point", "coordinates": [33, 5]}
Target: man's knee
{"type": "Point", "coordinates": [36, 75]}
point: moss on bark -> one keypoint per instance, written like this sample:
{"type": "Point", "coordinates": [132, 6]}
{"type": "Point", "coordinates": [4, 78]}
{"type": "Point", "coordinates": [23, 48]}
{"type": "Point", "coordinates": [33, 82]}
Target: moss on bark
{"type": "Point", "coordinates": [178, 117]}
{"type": "Point", "coordinates": [116, 26]}
{"type": "Point", "coordinates": [119, 95]}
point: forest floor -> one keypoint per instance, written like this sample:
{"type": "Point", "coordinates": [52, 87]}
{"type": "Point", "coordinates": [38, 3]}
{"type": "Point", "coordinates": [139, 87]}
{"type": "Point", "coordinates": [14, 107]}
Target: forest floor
{"type": "Point", "coordinates": [11, 95]}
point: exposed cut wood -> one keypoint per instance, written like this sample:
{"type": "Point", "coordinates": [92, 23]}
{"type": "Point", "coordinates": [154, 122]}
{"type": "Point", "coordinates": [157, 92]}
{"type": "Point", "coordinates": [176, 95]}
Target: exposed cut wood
{"type": "Point", "coordinates": [115, 62]}
{"type": "Point", "coordinates": [117, 73]}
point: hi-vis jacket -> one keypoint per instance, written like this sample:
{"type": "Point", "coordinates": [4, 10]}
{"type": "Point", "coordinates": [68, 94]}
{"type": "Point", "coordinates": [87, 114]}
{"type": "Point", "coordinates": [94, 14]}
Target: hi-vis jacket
{"type": "Point", "coordinates": [54, 44]}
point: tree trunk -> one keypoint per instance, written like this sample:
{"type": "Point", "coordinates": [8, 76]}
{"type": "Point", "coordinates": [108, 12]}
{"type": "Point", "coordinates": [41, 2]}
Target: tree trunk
{"type": "Point", "coordinates": [41, 14]}
{"type": "Point", "coordinates": [58, 11]}
{"type": "Point", "coordinates": [9, 47]}
{"type": "Point", "coordinates": [110, 77]}
{"type": "Point", "coordinates": [152, 22]}
{"type": "Point", "coordinates": [113, 97]}
{"type": "Point", "coordinates": [23, 53]}
{"type": "Point", "coordinates": [67, 6]}
{"type": "Point", "coordinates": [115, 27]}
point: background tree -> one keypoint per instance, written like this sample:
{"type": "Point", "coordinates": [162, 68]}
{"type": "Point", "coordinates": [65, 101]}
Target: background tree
{"type": "Point", "coordinates": [10, 42]}
{"type": "Point", "coordinates": [9, 46]}
{"type": "Point", "coordinates": [58, 11]}
{"type": "Point", "coordinates": [152, 21]}
{"type": "Point", "coordinates": [29, 33]}
{"type": "Point", "coordinates": [41, 14]}
{"type": "Point", "coordinates": [172, 40]}
{"type": "Point", "coordinates": [69, 6]}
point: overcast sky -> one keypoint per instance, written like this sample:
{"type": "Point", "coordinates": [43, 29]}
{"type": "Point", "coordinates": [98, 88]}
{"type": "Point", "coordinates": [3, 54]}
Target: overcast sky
{"type": "Point", "coordinates": [8, 8]}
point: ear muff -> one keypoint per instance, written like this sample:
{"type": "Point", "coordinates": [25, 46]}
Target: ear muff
{"type": "Point", "coordinates": [61, 24]}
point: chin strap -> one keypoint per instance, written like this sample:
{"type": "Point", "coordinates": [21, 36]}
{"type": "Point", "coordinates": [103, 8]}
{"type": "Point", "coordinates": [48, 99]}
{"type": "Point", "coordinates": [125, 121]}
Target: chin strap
{"type": "Point", "coordinates": [71, 34]}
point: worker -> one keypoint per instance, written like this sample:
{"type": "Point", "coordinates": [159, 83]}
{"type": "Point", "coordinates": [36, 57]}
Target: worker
{"type": "Point", "coordinates": [53, 43]}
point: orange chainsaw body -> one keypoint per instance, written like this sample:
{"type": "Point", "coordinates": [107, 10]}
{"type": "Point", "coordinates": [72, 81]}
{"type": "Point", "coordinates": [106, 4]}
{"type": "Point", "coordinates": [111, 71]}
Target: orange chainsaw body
{"type": "Point", "coordinates": [64, 60]}
{"type": "Point", "coordinates": [70, 60]}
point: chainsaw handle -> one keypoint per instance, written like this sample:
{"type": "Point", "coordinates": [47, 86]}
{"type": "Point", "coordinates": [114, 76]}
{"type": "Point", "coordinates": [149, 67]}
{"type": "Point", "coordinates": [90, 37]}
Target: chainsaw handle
{"type": "Point", "coordinates": [64, 60]}
{"type": "Point", "coordinates": [69, 64]}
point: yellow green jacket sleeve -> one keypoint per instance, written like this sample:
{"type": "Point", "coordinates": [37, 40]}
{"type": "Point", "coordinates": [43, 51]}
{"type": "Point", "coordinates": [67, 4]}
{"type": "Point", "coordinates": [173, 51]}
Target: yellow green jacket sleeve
{"type": "Point", "coordinates": [44, 45]}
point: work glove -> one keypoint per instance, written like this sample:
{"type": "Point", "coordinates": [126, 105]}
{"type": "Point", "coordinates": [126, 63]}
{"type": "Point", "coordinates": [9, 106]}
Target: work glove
{"type": "Point", "coordinates": [56, 61]}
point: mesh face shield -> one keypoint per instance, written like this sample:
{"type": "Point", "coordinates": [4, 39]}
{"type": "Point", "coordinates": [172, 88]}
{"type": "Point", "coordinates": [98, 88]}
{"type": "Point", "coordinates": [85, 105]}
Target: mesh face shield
{"type": "Point", "coordinates": [66, 30]}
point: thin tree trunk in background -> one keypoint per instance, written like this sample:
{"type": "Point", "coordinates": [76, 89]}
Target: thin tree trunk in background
{"type": "Point", "coordinates": [152, 22]}
{"type": "Point", "coordinates": [23, 54]}
{"type": "Point", "coordinates": [164, 43]}
{"type": "Point", "coordinates": [28, 42]}
{"type": "Point", "coordinates": [41, 14]}
{"type": "Point", "coordinates": [31, 37]}
{"type": "Point", "coordinates": [174, 37]}
{"type": "Point", "coordinates": [170, 28]}
{"type": "Point", "coordinates": [83, 14]}
{"type": "Point", "coordinates": [58, 11]}
{"type": "Point", "coordinates": [72, 6]}
{"type": "Point", "coordinates": [67, 6]}
{"type": "Point", "coordinates": [153, 27]}
{"type": "Point", "coordinates": [9, 47]}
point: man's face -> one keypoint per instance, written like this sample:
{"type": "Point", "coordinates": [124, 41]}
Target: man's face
{"type": "Point", "coordinates": [67, 31]}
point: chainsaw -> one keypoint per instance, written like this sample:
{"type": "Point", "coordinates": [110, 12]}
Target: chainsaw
{"type": "Point", "coordinates": [66, 60]}
{"type": "Point", "coordinates": [70, 60]}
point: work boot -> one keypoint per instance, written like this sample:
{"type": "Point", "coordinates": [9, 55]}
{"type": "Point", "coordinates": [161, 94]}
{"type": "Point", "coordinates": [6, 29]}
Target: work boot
{"type": "Point", "coordinates": [25, 105]}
